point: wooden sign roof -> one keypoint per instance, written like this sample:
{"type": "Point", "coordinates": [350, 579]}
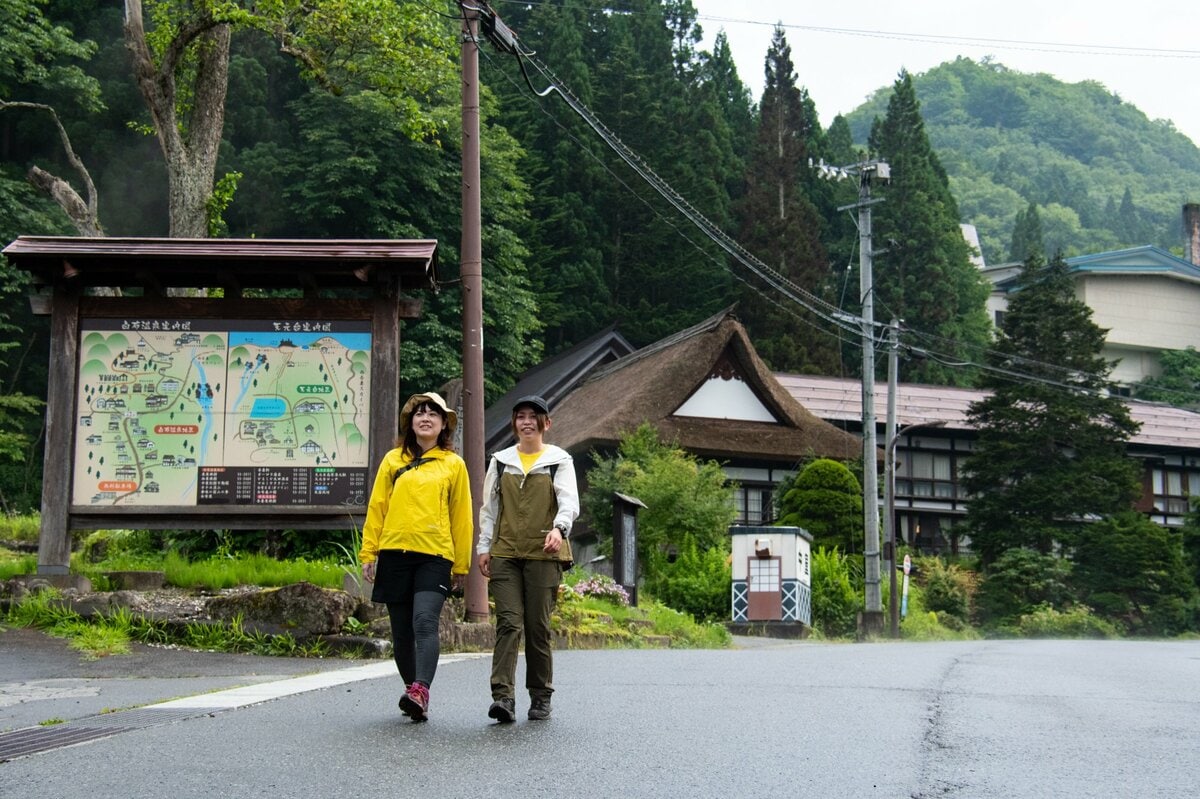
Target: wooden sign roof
{"type": "Point", "coordinates": [266, 263]}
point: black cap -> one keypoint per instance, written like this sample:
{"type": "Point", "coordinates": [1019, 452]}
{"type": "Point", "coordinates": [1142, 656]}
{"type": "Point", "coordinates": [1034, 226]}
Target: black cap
{"type": "Point", "coordinates": [534, 401]}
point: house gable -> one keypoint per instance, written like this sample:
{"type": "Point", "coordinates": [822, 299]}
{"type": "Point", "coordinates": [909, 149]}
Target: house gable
{"type": "Point", "coordinates": [726, 394]}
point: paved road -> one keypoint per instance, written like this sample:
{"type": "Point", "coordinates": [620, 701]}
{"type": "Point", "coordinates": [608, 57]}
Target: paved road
{"type": "Point", "coordinates": [964, 719]}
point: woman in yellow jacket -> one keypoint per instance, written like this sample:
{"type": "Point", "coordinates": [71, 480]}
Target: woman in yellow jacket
{"type": "Point", "coordinates": [417, 539]}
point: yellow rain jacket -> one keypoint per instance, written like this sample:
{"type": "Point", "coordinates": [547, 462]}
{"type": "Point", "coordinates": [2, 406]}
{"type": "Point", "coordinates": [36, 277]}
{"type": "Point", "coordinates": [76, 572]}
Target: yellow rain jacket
{"type": "Point", "coordinates": [427, 508]}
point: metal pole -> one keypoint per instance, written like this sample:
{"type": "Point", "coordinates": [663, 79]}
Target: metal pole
{"type": "Point", "coordinates": [873, 617]}
{"type": "Point", "coordinates": [889, 480]}
{"type": "Point", "coordinates": [472, 297]}
{"type": "Point", "coordinates": [890, 493]}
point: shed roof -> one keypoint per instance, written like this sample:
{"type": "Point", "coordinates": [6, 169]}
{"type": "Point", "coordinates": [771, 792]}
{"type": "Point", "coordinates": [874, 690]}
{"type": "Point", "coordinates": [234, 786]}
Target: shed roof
{"type": "Point", "coordinates": [650, 384]}
{"type": "Point", "coordinates": [552, 379]}
{"type": "Point", "coordinates": [272, 263]}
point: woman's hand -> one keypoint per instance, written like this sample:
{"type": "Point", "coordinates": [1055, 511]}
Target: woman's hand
{"type": "Point", "coordinates": [369, 572]}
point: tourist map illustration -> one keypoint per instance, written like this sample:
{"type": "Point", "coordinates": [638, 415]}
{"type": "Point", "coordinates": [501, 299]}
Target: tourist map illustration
{"type": "Point", "coordinates": [208, 412]}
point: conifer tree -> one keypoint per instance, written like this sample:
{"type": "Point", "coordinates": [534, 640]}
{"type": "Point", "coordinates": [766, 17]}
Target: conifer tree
{"type": "Point", "coordinates": [924, 276]}
{"type": "Point", "coordinates": [782, 226]}
{"type": "Point", "coordinates": [1051, 448]}
{"type": "Point", "coordinates": [1027, 236]}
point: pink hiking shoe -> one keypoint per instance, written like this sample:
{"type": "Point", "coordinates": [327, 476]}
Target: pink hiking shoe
{"type": "Point", "coordinates": [415, 702]}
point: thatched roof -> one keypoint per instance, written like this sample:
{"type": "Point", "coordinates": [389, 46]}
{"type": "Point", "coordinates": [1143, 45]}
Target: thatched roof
{"type": "Point", "coordinates": [651, 384]}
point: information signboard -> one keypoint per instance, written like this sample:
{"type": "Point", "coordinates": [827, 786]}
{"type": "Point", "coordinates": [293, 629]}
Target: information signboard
{"type": "Point", "coordinates": [189, 412]}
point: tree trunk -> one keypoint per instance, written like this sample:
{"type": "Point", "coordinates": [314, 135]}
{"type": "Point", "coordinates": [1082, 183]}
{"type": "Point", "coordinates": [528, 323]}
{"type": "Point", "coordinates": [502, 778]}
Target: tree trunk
{"type": "Point", "coordinates": [189, 145]}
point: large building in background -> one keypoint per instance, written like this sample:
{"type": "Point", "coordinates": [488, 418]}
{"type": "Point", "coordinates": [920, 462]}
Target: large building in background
{"type": "Point", "coordinates": [1146, 298]}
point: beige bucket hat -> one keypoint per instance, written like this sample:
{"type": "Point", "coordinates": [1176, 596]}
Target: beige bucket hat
{"type": "Point", "coordinates": [433, 398]}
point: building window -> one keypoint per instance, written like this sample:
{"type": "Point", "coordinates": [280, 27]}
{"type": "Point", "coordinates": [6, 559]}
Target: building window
{"type": "Point", "coordinates": [754, 504]}
{"type": "Point", "coordinates": [1173, 489]}
{"type": "Point", "coordinates": [925, 474]}
{"type": "Point", "coordinates": [764, 575]}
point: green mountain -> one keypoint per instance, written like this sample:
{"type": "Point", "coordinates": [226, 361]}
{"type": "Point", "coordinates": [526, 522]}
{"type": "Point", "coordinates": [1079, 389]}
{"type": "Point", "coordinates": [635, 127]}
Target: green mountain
{"type": "Point", "coordinates": [1104, 175]}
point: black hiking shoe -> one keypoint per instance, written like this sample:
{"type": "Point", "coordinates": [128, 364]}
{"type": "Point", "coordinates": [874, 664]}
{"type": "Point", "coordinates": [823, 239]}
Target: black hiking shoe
{"type": "Point", "coordinates": [503, 710]}
{"type": "Point", "coordinates": [539, 710]}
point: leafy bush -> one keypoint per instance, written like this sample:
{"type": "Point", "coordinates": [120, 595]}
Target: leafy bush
{"type": "Point", "coordinates": [825, 499]}
{"type": "Point", "coordinates": [1132, 571]}
{"type": "Point", "coordinates": [1019, 581]}
{"type": "Point", "coordinates": [947, 587]}
{"type": "Point", "coordinates": [697, 582]}
{"type": "Point", "coordinates": [835, 602]}
{"type": "Point", "coordinates": [1076, 622]}
{"type": "Point", "coordinates": [683, 496]}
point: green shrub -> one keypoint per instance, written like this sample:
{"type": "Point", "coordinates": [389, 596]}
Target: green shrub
{"type": "Point", "coordinates": [1076, 622]}
{"type": "Point", "coordinates": [835, 603]}
{"type": "Point", "coordinates": [825, 499]}
{"type": "Point", "coordinates": [922, 624]}
{"type": "Point", "coordinates": [137, 545]}
{"type": "Point", "coordinates": [684, 496]}
{"type": "Point", "coordinates": [697, 582]}
{"type": "Point", "coordinates": [947, 588]}
{"type": "Point", "coordinates": [1019, 581]}
{"type": "Point", "coordinates": [1133, 571]}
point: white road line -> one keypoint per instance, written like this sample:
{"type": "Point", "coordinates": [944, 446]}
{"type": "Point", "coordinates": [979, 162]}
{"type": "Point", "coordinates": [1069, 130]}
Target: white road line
{"type": "Point", "coordinates": [265, 692]}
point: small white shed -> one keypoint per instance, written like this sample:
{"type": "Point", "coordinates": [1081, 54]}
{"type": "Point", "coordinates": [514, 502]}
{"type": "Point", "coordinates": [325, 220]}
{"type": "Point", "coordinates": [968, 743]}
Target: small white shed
{"type": "Point", "coordinates": [772, 577]}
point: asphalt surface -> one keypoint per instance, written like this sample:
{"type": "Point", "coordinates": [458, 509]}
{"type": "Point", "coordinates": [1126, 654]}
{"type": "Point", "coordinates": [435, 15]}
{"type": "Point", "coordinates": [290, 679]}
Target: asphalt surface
{"type": "Point", "coordinates": [964, 719]}
{"type": "Point", "coordinates": [43, 680]}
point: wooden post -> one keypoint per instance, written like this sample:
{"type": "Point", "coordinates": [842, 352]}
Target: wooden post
{"type": "Point", "coordinates": [54, 544]}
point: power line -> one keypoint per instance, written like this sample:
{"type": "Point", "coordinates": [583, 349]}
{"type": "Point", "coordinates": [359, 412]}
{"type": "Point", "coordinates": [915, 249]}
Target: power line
{"type": "Point", "coordinates": [507, 41]}
{"type": "Point", "coordinates": [1033, 45]}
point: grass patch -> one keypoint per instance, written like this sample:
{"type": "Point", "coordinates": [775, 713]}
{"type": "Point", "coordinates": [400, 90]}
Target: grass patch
{"type": "Point", "coordinates": [24, 527]}
{"type": "Point", "coordinates": [15, 563]}
{"type": "Point", "coordinates": [253, 569]}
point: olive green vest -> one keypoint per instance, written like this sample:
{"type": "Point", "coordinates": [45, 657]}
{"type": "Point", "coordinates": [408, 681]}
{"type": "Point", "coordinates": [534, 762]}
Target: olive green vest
{"type": "Point", "coordinates": [527, 509]}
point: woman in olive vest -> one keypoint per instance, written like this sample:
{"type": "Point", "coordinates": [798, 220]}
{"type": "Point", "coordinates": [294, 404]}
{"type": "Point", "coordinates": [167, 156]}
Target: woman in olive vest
{"type": "Point", "coordinates": [530, 502]}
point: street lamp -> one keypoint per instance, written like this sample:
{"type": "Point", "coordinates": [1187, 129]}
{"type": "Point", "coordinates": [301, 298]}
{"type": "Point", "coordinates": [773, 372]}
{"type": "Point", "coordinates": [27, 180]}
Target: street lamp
{"type": "Point", "coordinates": [889, 502]}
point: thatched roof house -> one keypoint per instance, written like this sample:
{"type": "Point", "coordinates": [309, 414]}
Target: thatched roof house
{"type": "Point", "coordinates": [704, 388]}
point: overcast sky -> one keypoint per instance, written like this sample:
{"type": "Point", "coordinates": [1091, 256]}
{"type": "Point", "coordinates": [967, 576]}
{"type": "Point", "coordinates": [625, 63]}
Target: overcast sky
{"type": "Point", "coordinates": [1147, 52]}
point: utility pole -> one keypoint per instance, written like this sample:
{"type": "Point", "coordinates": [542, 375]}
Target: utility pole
{"type": "Point", "coordinates": [889, 479]}
{"type": "Point", "coordinates": [872, 618]}
{"type": "Point", "coordinates": [472, 299]}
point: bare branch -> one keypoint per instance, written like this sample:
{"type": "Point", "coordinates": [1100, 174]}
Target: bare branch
{"type": "Point", "coordinates": [84, 214]}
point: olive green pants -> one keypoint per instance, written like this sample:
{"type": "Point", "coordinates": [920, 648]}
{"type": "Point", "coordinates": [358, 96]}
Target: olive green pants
{"type": "Point", "coordinates": [524, 592]}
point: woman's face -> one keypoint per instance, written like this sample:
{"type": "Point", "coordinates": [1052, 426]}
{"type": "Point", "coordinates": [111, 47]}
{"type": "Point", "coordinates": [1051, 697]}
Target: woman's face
{"type": "Point", "coordinates": [527, 426]}
{"type": "Point", "coordinates": [427, 424]}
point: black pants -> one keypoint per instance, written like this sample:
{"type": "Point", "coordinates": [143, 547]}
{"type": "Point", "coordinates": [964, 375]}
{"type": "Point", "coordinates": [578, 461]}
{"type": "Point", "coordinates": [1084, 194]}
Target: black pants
{"type": "Point", "coordinates": [414, 586]}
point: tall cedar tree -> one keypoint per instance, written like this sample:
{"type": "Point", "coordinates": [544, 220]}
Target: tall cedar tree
{"type": "Point", "coordinates": [1051, 448]}
{"type": "Point", "coordinates": [605, 248]}
{"type": "Point", "coordinates": [1027, 236]}
{"type": "Point", "coordinates": [780, 224]}
{"type": "Point", "coordinates": [925, 277]}
{"type": "Point", "coordinates": [662, 283]}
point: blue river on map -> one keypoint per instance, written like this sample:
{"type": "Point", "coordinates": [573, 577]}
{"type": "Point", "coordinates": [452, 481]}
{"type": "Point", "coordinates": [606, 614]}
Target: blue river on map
{"type": "Point", "coordinates": [263, 407]}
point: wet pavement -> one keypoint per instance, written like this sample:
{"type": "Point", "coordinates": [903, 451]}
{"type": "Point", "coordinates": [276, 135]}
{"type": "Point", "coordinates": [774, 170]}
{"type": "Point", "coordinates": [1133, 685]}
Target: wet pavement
{"type": "Point", "coordinates": [43, 680]}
